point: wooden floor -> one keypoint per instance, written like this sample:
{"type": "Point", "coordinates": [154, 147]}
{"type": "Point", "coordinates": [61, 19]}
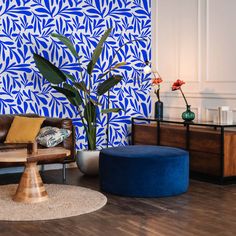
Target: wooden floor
{"type": "Point", "coordinates": [206, 209]}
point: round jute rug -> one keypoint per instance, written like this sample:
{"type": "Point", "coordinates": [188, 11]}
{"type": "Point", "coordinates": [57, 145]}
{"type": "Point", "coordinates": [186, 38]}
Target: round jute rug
{"type": "Point", "coordinates": [64, 201]}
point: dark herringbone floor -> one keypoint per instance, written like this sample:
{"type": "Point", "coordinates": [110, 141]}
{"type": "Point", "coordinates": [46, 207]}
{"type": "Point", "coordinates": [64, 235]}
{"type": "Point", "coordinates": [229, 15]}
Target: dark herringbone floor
{"type": "Point", "coordinates": [206, 209]}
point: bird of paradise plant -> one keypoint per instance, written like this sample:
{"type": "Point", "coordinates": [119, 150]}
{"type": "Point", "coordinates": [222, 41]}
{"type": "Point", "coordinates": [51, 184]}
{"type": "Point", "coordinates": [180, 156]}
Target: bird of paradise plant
{"type": "Point", "coordinates": [78, 93]}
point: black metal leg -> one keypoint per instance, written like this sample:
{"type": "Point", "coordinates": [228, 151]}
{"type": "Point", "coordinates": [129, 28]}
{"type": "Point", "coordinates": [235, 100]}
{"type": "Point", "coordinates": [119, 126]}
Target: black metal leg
{"type": "Point", "coordinates": [108, 117]}
{"type": "Point", "coordinates": [132, 131]}
{"type": "Point", "coordinates": [222, 164]}
{"type": "Point", "coordinates": [187, 137]}
{"type": "Point", "coordinates": [158, 133]}
{"type": "Point", "coordinates": [64, 172]}
{"type": "Point", "coordinates": [42, 168]}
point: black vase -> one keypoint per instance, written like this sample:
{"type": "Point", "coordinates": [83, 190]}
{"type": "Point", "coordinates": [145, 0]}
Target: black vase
{"type": "Point", "coordinates": [158, 110]}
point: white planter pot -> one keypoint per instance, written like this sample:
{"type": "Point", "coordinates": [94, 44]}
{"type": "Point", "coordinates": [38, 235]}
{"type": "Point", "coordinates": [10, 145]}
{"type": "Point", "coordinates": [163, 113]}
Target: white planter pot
{"type": "Point", "coordinates": [88, 162]}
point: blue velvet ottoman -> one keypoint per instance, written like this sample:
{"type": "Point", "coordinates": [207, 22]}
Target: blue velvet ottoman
{"type": "Point", "coordinates": [144, 171]}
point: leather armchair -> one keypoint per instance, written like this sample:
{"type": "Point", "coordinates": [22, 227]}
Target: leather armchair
{"type": "Point", "coordinates": [69, 143]}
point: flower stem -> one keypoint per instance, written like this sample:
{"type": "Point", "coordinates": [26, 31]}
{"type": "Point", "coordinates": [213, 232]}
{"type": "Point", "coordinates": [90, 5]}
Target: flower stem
{"type": "Point", "coordinates": [183, 96]}
{"type": "Point", "coordinates": [159, 87]}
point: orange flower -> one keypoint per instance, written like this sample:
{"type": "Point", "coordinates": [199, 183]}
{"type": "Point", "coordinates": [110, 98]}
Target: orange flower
{"type": "Point", "coordinates": [177, 85]}
{"type": "Point", "coordinates": [156, 81]}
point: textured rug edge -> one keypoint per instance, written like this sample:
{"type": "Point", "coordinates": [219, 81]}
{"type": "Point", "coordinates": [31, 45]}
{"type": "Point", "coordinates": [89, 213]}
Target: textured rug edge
{"type": "Point", "coordinates": [99, 196]}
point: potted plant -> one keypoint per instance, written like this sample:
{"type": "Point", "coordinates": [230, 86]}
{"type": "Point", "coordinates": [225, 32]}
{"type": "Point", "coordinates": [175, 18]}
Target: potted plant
{"type": "Point", "coordinates": [79, 95]}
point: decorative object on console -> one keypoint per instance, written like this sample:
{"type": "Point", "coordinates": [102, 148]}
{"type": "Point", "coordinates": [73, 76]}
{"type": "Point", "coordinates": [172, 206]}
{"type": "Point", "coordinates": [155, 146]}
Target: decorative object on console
{"type": "Point", "coordinates": [51, 136]}
{"type": "Point", "coordinates": [188, 115]}
{"type": "Point", "coordinates": [158, 104]}
{"type": "Point", "coordinates": [156, 80]}
{"type": "Point", "coordinates": [225, 115]}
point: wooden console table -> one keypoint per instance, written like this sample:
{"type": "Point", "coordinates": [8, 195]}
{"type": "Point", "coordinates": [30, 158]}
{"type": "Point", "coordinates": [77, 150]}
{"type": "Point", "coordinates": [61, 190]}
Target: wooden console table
{"type": "Point", "coordinates": [212, 146]}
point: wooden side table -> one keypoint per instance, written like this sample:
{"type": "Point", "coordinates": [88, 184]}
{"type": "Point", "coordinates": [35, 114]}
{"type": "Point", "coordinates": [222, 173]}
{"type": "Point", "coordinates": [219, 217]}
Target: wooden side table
{"type": "Point", "coordinates": [31, 188]}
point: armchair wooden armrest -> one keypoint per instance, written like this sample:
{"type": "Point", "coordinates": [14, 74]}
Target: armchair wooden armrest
{"type": "Point", "coordinates": [32, 148]}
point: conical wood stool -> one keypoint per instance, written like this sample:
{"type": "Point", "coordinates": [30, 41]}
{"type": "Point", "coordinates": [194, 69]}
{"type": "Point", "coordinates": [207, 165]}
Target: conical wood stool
{"type": "Point", "coordinates": [31, 188]}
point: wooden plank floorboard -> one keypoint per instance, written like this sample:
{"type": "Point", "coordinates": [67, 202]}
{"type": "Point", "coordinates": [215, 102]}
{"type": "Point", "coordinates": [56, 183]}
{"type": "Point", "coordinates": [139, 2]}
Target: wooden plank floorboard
{"type": "Point", "coordinates": [206, 209]}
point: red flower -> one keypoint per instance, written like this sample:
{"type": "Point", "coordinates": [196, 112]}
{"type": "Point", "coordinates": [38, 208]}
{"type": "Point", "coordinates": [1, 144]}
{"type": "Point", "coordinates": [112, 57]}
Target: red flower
{"type": "Point", "coordinates": [156, 81]}
{"type": "Point", "coordinates": [177, 85]}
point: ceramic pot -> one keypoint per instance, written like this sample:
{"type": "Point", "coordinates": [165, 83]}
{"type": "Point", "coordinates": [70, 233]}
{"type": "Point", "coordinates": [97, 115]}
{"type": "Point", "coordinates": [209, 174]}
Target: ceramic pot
{"type": "Point", "coordinates": [88, 161]}
{"type": "Point", "coordinates": [188, 115]}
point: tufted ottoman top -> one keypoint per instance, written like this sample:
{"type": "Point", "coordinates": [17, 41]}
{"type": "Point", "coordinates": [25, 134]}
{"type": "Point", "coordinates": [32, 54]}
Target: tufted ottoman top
{"type": "Point", "coordinates": [140, 151]}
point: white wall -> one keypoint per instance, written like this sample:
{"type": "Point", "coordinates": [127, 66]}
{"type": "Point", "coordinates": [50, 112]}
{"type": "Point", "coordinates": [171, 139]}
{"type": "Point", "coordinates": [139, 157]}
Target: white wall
{"type": "Point", "coordinates": [195, 40]}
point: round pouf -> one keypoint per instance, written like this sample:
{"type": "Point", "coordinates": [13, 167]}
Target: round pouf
{"type": "Point", "coordinates": [144, 171]}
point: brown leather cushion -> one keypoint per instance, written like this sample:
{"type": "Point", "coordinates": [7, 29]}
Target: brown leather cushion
{"type": "Point", "coordinates": [5, 124]}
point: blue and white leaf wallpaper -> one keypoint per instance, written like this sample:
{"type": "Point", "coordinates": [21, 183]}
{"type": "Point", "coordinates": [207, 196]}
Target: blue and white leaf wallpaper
{"type": "Point", "coordinates": [25, 28]}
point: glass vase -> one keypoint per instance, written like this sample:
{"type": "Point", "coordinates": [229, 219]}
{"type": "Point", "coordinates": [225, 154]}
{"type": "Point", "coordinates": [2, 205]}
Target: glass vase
{"type": "Point", "coordinates": [188, 115]}
{"type": "Point", "coordinates": [158, 110]}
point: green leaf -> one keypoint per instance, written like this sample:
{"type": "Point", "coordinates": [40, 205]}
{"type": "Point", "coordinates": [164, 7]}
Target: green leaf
{"type": "Point", "coordinates": [64, 91]}
{"type": "Point", "coordinates": [96, 103]}
{"type": "Point", "coordinates": [97, 51]}
{"type": "Point", "coordinates": [50, 72]}
{"type": "Point", "coordinates": [118, 65]}
{"type": "Point", "coordinates": [82, 86]}
{"type": "Point", "coordinates": [90, 116]}
{"type": "Point", "coordinates": [72, 101]}
{"type": "Point", "coordinates": [71, 77]}
{"type": "Point", "coordinates": [77, 100]}
{"type": "Point", "coordinates": [67, 42]}
{"type": "Point", "coordinates": [90, 112]}
{"type": "Point", "coordinates": [108, 84]}
{"type": "Point", "coordinates": [105, 111]}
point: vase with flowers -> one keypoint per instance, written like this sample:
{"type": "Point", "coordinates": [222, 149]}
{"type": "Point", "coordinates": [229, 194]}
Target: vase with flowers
{"type": "Point", "coordinates": [188, 115]}
{"type": "Point", "coordinates": [158, 104]}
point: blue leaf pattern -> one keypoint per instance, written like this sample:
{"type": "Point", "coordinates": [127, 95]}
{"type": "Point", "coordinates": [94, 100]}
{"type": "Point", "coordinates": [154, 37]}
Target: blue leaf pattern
{"type": "Point", "coordinates": [25, 28]}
